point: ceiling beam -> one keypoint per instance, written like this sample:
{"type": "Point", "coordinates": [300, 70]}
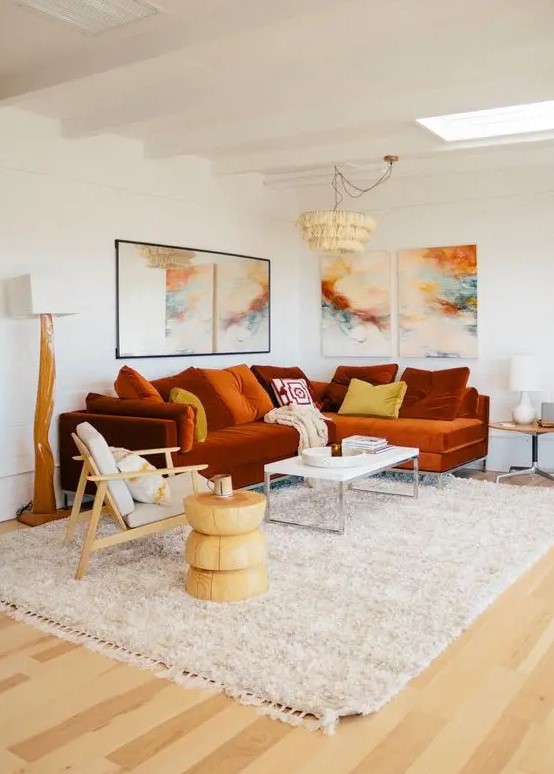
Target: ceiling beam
{"type": "Point", "coordinates": [268, 132]}
{"type": "Point", "coordinates": [315, 164]}
{"type": "Point", "coordinates": [229, 19]}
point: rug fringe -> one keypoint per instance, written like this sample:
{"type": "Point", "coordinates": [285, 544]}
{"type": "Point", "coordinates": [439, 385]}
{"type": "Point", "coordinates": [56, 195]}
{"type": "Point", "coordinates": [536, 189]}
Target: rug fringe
{"type": "Point", "coordinates": [294, 717]}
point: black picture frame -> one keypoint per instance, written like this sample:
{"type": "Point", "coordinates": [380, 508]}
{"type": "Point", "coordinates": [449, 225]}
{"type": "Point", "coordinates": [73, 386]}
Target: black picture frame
{"type": "Point", "coordinates": [133, 320]}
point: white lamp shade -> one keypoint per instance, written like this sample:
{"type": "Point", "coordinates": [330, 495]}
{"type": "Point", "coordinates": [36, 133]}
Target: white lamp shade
{"type": "Point", "coordinates": [523, 374]}
{"type": "Point", "coordinates": [34, 294]}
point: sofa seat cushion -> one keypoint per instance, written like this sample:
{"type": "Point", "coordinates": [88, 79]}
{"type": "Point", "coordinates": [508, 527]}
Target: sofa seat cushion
{"type": "Point", "coordinates": [180, 486]}
{"type": "Point", "coordinates": [334, 395]}
{"type": "Point", "coordinates": [428, 435]}
{"type": "Point", "coordinates": [241, 392]}
{"type": "Point", "coordinates": [244, 444]}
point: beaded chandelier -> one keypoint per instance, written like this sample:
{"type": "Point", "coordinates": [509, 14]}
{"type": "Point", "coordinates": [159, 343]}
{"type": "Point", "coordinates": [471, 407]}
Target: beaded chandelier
{"type": "Point", "coordinates": [341, 231]}
{"type": "Point", "coordinates": [160, 257]}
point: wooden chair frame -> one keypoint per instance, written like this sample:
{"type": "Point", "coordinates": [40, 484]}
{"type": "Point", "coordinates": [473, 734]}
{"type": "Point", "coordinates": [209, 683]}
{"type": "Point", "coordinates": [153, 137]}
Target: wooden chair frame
{"type": "Point", "coordinates": [104, 504]}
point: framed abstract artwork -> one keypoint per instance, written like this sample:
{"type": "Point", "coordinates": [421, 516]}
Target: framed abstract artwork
{"type": "Point", "coordinates": [355, 305]}
{"type": "Point", "coordinates": [181, 301]}
{"type": "Point", "coordinates": [437, 298]}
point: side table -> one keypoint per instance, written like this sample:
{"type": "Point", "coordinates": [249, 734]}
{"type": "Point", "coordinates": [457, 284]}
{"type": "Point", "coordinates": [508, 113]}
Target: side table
{"type": "Point", "coordinates": [534, 430]}
{"type": "Point", "coordinates": [226, 551]}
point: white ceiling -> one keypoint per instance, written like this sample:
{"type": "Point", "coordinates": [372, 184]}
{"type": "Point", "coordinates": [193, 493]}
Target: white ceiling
{"type": "Point", "coordinates": [287, 88]}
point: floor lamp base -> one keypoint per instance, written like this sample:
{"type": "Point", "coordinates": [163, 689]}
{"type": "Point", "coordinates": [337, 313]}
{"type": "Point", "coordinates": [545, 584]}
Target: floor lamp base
{"type": "Point", "coordinates": [37, 519]}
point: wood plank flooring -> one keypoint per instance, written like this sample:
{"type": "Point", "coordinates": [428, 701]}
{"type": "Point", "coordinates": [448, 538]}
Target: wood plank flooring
{"type": "Point", "coordinates": [485, 706]}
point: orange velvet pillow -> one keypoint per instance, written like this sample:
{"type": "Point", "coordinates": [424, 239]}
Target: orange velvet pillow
{"type": "Point", "coordinates": [182, 414]}
{"type": "Point", "coordinates": [192, 379]}
{"type": "Point", "coordinates": [243, 395]}
{"type": "Point", "coordinates": [433, 394]}
{"type": "Point", "coordinates": [335, 392]}
{"type": "Point", "coordinates": [130, 385]}
{"type": "Point", "coordinates": [469, 404]}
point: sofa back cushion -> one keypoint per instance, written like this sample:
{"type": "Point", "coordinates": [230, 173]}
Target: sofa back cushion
{"type": "Point", "coordinates": [334, 395]}
{"type": "Point", "coordinates": [131, 385]}
{"type": "Point", "coordinates": [181, 414]}
{"type": "Point", "coordinates": [265, 374]}
{"type": "Point", "coordinates": [218, 414]}
{"type": "Point", "coordinates": [470, 403]}
{"type": "Point", "coordinates": [433, 394]}
{"type": "Point", "coordinates": [241, 392]}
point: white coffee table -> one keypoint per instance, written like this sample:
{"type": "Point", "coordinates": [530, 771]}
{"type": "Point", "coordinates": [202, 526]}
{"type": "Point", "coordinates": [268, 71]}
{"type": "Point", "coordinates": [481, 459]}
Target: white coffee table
{"type": "Point", "coordinates": [375, 463]}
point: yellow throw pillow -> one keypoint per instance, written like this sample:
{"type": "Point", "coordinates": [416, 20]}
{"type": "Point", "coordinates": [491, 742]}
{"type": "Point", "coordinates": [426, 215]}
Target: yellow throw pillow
{"type": "Point", "coordinates": [178, 395]}
{"type": "Point", "coordinates": [368, 400]}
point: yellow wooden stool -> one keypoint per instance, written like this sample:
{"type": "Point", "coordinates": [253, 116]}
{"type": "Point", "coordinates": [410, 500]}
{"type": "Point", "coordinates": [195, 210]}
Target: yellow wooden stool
{"type": "Point", "coordinates": [226, 551]}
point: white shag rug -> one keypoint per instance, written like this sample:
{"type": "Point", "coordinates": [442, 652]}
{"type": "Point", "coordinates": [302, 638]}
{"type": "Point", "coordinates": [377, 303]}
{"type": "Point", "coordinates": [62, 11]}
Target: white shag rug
{"type": "Point", "coordinates": [347, 621]}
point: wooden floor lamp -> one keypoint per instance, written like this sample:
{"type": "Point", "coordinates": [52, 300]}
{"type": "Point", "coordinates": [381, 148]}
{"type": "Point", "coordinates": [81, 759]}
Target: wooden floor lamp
{"type": "Point", "coordinates": [37, 295]}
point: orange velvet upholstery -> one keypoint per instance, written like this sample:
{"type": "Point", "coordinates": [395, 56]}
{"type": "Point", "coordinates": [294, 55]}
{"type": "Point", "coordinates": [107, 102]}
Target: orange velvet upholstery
{"type": "Point", "coordinates": [129, 432]}
{"type": "Point", "coordinates": [433, 394]}
{"type": "Point", "coordinates": [333, 396]}
{"type": "Point", "coordinates": [231, 448]}
{"type": "Point", "coordinates": [131, 385]}
{"type": "Point", "coordinates": [241, 392]}
{"type": "Point", "coordinates": [470, 401]}
{"type": "Point", "coordinates": [318, 389]}
{"type": "Point", "coordinates": [266, 373]}
{"type": "Point", "coordinates": [182, 414]}
{"type": "Point", "coordinates": [193, 380]}
{"type": "Point", "coordinates": [430, 435]}
{"type": "Point", "coordinates": [432, 462]}
{"type": "Point", "coordinates": [243, 449]}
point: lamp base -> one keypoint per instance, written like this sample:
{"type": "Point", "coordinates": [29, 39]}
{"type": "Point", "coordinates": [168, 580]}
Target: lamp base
{"type": "Point", "coordinates": [524, 413]}
{"type": "Point", "coordinates": [37, 519]}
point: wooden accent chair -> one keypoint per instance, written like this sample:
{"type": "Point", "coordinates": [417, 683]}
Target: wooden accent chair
{"type": "Point", "coordinates": [145, 518]}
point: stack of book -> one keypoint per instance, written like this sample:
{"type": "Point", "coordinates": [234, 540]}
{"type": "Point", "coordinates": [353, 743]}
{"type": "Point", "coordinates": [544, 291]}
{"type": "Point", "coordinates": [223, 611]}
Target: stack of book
{"type": "Point", "coordinates": [371, 444]}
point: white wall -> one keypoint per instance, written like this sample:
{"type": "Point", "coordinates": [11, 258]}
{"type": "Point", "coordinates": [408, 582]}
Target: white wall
{"type": "Point", "coordinates": [509, 214]}
{"type": "Point", "coordinates": [63, 204]}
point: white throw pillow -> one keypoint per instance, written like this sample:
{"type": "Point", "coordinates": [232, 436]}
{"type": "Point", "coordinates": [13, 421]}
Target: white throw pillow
{"type": "Point", "coordinates": [143, 489]}
{"type": "Point", "coordinates": [105, 462]}
{"type": "Point", "coordinates": [290, 392]}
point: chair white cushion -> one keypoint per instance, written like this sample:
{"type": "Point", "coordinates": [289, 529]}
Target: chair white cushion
{"type": "Point", "coordinates": [143, 489]}
{"type": "Point", "coordinates": [180, 487]}
{"type": "Point", "coordinates": [105, 462]}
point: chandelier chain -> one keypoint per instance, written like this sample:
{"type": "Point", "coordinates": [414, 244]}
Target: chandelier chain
{"type": "Point", "coordinates": [352, 190]}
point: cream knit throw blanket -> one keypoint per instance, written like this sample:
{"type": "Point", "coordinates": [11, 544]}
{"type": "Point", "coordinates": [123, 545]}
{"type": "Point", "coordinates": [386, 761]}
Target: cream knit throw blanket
{"type": "Point", "coordinates": [307, 420]}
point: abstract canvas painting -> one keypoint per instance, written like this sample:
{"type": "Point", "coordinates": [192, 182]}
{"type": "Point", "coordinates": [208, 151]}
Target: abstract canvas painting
{"type": "Point", "coordinates": [182, 301]}
{"type": "Point", "coordinates": [437, 294]}
{"type": "Point", "coordinates": [355, 305]}
{"type": "Point", "coordinates": [189, 309]}
{"type": "Point", "coordinates": [242, 306]}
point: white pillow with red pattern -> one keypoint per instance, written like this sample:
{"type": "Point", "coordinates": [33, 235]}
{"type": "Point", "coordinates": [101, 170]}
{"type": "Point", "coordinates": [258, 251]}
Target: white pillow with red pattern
{"type": "Point", "coordinates": [292, 391]}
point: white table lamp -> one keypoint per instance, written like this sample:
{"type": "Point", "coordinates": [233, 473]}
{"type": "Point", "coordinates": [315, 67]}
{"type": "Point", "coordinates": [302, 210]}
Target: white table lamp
{"type": "Point", "coordinates": [524, 379]}
{"type": "Point", "coordinates": [44, 296]}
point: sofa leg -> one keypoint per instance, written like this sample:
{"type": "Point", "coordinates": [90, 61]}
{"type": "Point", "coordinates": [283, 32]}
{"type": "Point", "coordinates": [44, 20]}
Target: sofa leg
{"type": "Point", "coordinates": [440, 481]}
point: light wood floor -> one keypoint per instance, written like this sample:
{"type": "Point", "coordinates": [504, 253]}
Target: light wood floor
{"type": "Point", "coordinates": [486, 706]}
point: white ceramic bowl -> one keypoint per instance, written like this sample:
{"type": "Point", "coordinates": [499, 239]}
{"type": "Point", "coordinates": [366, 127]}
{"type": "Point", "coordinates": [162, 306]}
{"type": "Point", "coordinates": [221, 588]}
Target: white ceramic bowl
{"type": "Point", "coordinates": [320, 457]}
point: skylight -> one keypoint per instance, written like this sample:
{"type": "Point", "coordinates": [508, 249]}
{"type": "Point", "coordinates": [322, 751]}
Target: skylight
{"type": "Point", "coordinates": [496, 122]}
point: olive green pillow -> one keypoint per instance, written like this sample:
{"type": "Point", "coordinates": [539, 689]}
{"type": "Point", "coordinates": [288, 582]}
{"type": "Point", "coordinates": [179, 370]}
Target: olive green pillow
{"type": "Point", "coordinates": [178, 395]}
{"type": "Point", "coordinates": [367, 400]}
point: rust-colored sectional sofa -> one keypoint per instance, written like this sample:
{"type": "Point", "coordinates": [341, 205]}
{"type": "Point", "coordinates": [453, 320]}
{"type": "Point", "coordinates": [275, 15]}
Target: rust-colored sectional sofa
{"type": "Point", "coordinates": [241, 445]}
